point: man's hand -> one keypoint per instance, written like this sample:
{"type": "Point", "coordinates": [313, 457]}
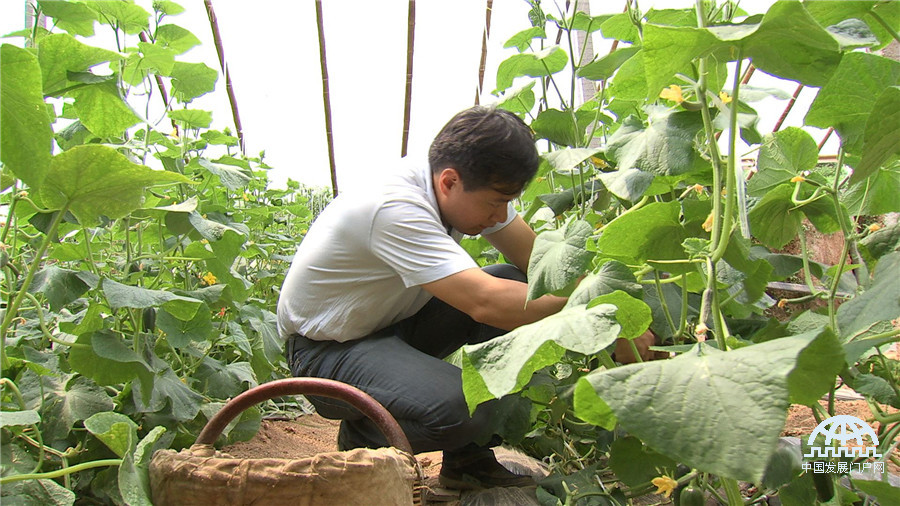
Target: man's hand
{"type": "Point", "coordinates": [624, 354]}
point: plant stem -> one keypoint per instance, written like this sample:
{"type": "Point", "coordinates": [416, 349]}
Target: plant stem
{"type": "Point", "coordinates": [13, 309]}
{"type": "Point", "coordinates": [663, 302]}
{"type": "Point", "coordinates": [804, 255]}
{"type": "Point", "coordinates": [832, 310]}
{"type": "Point", "coordinates": [61, 472]}
{"type": "Point", "coordinates": [9, 215]}
{"type": "Point", "coordinates": [884, 24]}
{"type": "Point", "coordinates": [732, 492]}
{"type": "Point", "coordinates": [87, 247]}
{"type": "Point", "coordinates": [739, 195]}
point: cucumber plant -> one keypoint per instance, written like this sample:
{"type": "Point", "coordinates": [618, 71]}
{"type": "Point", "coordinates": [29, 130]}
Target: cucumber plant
{"type": "Point", "coordinates": [141, 254]}
{"type": "Point", "coordinates": [644, 194]}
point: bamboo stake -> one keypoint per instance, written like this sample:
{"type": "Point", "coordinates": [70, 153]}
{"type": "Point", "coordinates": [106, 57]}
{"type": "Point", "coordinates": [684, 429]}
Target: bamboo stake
{"type": "Point", "coordinates": [825, 139]}
{"type": "Point", "coordinates": [485, 35]}
{"type": "Point", "coordinates": [787, 109]}
{"type": "Point", "coordinates": [161, 85]}
{"type": "Point", "coordinates": [410, 45]}
{"type": "Point", "coordinates": [326, 99]}
{"type": "Point", "coordinates": [220, 50]}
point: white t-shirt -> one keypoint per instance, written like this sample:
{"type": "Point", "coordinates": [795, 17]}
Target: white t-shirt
{"type": "Point", "coordinates": [359, 268]}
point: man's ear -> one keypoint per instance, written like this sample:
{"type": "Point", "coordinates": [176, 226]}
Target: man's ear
{"type": "Point", "coordinates": [447, 179]}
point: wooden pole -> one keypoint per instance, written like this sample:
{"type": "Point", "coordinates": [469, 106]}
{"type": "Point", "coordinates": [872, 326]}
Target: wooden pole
{"type": "Point", "coordinates": [410, 45]}
{"type": "Point", "coordinates": [485, 35]}
{"type": "Point", "coordinates": [326, 99]}
{"type": "Point", "coordinates": [229, 89]}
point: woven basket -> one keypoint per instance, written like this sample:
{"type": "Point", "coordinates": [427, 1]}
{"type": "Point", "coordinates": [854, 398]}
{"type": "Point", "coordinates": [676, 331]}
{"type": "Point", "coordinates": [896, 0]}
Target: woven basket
{"type": "Point", "coordinates": [202, 475]}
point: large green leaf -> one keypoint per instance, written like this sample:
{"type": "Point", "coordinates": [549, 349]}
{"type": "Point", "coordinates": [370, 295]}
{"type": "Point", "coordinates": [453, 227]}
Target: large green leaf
{"type": "Point", "coordinates": [848, 98]}
{"type": "Point", "coordinates": [605, 67]}
{"type": "Point", "coordinates": [881, 242]}
{"type": "Point", "coordinates": [629, 184]}
{"type": "Point", "coordinates": [180, 333]}
{"type": "Point", "coordinates": [519, 100]}
{"type": "Point", "coordinates": [880, 302]}
{"type": "Point", "coordinates": [37, 493]}
{"type": "Point", "coordinates": [191, 80]}
{"type": "Point", "coordinates": [565, 160]}
{"type": "Point", "coordinates": [192, 118]}
{"type": "Point", "coordinates": [120, 295]}
{"type": "Point", "coordinates": [105, 358]}
{"type": "Point", "coordinates": [611, 276]}
{"type": "Point", "coordinates": [558, 258]}
{"type": "Point", "coordinates": [783, 155]}
{"type": "Point", "coordinates": [562, 127]}
{"type": "Point", "coordinates": [62, 286]}
{"type": "Point", "coordinates": [775, 220]}
{"type": "Point", "coordinates": [232, 178]}
{"type": "Point", "coordinates": [75, 18]}
{"type": "Point", "coordinates": [62, 400]}
{"type": "Point", "coordinates": [829, 13]}
{"type": "Point", "coordinates": [790, 44]}
{"type": "Point", "coordinates": [881, 141]}
{"type": "Point", "coordinates": [539, 64]}
{"type": "Point", "coordinates": [719, 412]}
{"type": "Point", "coordinates": [667, 49]}
{"type": "Point", "coordinates": [633, 315]}
{"type": "Point", "coordinates": [115, 430]}
{"type": "Point", "coordinates": [94, 180]}
{"type": "Point", "coordinates": [25, 134]}
{"type": "Point", "coordinates": [522, 40]}
{"type": "Point", "coordinates": [874, 195]}
{"type": "Point", "coordinates": [102, 109]}
{"type": "Point", "coordinates": [883, 491]}
{"type": "Point", "coordinates": [134, 473]}
{"type": "Point", "coordinates": [155, 58]}
{"type": "Point", "coordinates": [14, 418]}
{"type": "Point", "coordinates": [125, 16]}
{"type": "Point", "coordinates": [184, 403]}
{"type": "Point", "coordinates": [176, 38]}
{"type": "Point", "coordinates": [635, 464]}
{"type": "Point", "coordinates": [652, 232]}
{"type": "Point", "coordinates": [562, 201]}
{"type": "Point", "coordinates": [664, 147]}
{"type": "Point", "coordinates": [505, 364]}
{"type": "Point", "coordinates": [61, 53]}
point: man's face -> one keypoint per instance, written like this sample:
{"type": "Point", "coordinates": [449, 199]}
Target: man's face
{"type": "Point", "coordinates": [470, 212]}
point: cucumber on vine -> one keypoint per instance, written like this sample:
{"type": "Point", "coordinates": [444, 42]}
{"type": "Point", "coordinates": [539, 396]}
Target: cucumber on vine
{"type": "Point", "coordinates": [692, 495]}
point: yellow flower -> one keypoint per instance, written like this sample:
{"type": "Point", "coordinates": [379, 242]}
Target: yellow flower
{"type": "Point", "coordinates": [782, 303]}
{"type": "Point", "coordinates": [599, 162]}
{"type": "Point", "coordinates": [708, 224]}
{"type": "Point", "coordinates": [875, 227]}
{"type": "Point", "coordinates": [209, 278]}
{"type": "Point", "coordinates": [726, 99]}
{"type": "Point", "coordinates": [701, 329]}
{"type": "Point", "coordinates": [246, 197]}
{"type": "Point", "coordinates": [664, 485]}
{"type": "Point", "coordinates": [699, 189]}
{"type": "Point", "coordinates": [673, 93]}
{"type": "Point", "coordinates": [798, 179]}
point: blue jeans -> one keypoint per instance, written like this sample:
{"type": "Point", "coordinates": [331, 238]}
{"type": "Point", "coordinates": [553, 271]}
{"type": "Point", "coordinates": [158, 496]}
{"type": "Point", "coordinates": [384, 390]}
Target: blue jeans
{"type": "Point", "coordinates": [401, 366]}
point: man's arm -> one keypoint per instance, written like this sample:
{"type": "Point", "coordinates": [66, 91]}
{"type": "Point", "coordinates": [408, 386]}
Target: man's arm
{"type": "Point", "coordinates": [493, 301]}
{"type": "Point", "coordinates": [515, 241]}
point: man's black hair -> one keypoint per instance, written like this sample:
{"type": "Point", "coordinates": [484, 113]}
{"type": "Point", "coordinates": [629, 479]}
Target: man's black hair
{"type": "Point", "coordinates": [489, 147]}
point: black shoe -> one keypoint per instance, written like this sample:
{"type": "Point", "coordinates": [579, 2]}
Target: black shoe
{"type": "Point", "coordinates": [478, 472]}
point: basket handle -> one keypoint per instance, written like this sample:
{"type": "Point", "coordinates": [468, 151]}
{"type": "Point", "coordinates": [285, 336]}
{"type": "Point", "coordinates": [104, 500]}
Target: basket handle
{"type": "Point", "coordinates": [307, 386]}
